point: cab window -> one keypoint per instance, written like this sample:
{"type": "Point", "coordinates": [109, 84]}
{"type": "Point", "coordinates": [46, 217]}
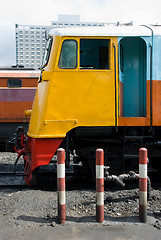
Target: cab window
{"type": "Point", "coordinates": [68, 56]}
{"type": "Point", "coordinates": [47, 52]}
{"type": "Point", "coordinates": [94, 53]}
{"type": "Point", "coordinates": [14, 83]}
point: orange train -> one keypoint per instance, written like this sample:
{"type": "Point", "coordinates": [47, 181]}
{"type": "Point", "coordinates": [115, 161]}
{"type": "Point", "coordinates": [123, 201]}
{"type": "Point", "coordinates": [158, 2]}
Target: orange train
{"type": "Point", "coordinates": [17, 90]}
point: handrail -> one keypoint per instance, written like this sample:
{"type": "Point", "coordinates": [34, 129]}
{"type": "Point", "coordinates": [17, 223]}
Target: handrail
{"type": "Point", "coordinates": [114, 46]}
{"type": "Point", "coordinates": [151, 77]}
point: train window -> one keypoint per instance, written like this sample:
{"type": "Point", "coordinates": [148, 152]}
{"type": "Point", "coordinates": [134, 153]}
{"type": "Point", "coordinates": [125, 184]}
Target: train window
{"type": "Point", "coordinates": [14, 83]}
{"type": "Point", "coordinates": [94, 53]}
{"type": "Point", "coordinates": [47, 52]}
{"type": "Point", "coordinates": [68, 56]}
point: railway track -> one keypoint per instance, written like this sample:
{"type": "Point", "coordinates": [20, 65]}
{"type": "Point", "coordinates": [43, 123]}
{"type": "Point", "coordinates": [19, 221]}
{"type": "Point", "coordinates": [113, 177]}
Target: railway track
{"type": "Point", "coordinates": [9, 173]}
{"type": "Point", "coordinates": [9, 179]}
{"type": "Point", "coordinates": [47, 176]}
{"type": "Point", "coordinates": [45, 179]}
{"type": "Point", "coordinates": [48, 180]}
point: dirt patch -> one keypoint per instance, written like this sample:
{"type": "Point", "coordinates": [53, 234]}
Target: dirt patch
{"type": "Point", "coordinates": [26, 210]}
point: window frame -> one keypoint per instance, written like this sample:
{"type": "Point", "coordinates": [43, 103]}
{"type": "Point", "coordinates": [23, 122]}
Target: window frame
{"type": "Point", "coordinates": [70, 68]}
{"type": "Point", "coordinates": [77, 39]}
{"type": "Point", "coordinates": [44, 63]}
{"type": "Point", "coordinates": [109, 53]}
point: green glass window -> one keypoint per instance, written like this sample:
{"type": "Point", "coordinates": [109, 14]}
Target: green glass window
{"type": "Point", "coordinates": [68, 56]}
{"type": "Point", "coordinates": [94, 53]}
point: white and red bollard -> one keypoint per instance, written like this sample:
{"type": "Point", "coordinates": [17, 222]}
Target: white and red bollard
{"type": "Point", "coordinates": [100, 185]}
{"type": "Point", "coordinates": [143, 184]}
{"type": "Point", "coordinates": [61, 185]}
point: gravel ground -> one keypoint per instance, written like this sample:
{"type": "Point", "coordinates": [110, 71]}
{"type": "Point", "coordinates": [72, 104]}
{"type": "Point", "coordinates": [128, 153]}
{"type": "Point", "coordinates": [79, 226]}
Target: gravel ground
{"type": "Point", "coordinates": [24, 210]}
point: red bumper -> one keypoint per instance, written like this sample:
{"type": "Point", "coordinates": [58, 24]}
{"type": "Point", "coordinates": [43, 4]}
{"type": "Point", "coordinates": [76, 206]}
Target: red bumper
{"type": "Point", "coordinates": [39, 152]}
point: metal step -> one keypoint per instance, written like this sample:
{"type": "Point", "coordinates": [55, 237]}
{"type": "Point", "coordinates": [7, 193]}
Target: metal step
{"type": "Point", "coordinates": [131, 156]}
{"type": "Point", "coordinates": [133, 137]}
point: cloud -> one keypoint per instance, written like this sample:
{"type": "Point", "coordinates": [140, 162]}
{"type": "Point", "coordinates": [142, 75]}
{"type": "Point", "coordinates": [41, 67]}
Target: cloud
{"type": "Point", "coordinates": [7, 43]}
{"type": "Point", "coordinates": [40, 12]}
{"type": "Point", "coordinates": [43, 12]}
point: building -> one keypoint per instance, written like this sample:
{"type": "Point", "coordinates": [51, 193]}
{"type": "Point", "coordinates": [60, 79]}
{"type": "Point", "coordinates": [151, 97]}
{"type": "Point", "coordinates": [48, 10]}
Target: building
{"type": "Point", "coordinates": [31, 41]}
{"type": "Point", "coordinates": [30, 45]}
{"type": "Point", "coordinates": [73, 21]}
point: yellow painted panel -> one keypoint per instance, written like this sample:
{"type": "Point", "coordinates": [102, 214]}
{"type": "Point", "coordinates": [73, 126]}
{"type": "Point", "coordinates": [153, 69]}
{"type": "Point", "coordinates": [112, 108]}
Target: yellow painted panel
{"type": "Point", "coordinates": [73, 98]}
{"type": "Point", "coordinates": [38, 109]}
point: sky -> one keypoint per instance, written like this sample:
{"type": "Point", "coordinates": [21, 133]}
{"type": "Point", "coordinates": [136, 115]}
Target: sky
{"type": "Point", "coordinates": [38, 12]}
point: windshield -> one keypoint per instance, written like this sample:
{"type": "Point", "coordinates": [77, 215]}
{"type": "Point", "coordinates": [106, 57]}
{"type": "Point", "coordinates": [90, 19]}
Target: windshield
{"type": "Point", "coordinates": [68, 56]}
{"type": "Point", "coordinates": [47, 52]}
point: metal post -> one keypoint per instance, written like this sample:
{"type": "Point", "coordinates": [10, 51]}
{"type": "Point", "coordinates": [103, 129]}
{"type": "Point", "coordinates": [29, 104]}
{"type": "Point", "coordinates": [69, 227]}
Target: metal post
{"type": "Point", "coordinates": [61, 185]}
{"type": "Point", "coordinates": [143, 184]}
{"type": "Point", "coordinates": [100, 185]}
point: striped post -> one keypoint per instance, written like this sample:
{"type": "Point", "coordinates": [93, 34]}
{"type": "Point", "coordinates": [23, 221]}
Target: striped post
{"type": "Point", "coordinates": [100, 185]}
{"type": "Point", "coordinates": [61, 185]}
{"type": "Point", "coordinates": [143, 184]}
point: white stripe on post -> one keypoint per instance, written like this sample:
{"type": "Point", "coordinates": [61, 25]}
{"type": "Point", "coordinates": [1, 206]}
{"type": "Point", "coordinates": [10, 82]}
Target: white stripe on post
{"type": "Point", "coordinates": [143, 170]}
{"type": "Point", "coordinates": [99, 171]}
{"type": "Point", "coordinates": [100, 198]}
{"type": "Point", "coordinates": [62, 199]}
{"type": "Point", "coordinates": [61, 170]}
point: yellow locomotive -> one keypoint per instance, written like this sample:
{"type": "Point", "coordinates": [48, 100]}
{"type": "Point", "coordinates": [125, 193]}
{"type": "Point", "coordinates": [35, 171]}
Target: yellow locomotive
{"type": "Point", "coordinates": [99, 87]}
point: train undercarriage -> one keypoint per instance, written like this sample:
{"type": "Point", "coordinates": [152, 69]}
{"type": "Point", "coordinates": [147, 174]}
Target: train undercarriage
{"type": "Point", "coordinates": [121, 150]}
{"type": "Point", "coordinates": [121, 147]}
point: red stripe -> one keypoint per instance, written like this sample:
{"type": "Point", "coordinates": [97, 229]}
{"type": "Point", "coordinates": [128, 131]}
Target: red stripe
{"type": "Point", "coordinates": [61, 184]}
{"type": "Point", "coordinates": [99, 157]}
{"type": "Point", "coordinates": [60, 156]}
{"type": "Point", "coordinates": [100, 185]}
{"type": "Point", "coordinates": [100, 213]}
{"type": "Point", "coordinates": [143, 184]}
{"type": "Point", "coordinates": [61, 213]}
{"type": "Point", "coordinates": [143, 156]}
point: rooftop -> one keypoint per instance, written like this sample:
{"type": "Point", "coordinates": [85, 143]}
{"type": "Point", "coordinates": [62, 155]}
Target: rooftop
{"type": "Point", "coordinates": [107, 31]}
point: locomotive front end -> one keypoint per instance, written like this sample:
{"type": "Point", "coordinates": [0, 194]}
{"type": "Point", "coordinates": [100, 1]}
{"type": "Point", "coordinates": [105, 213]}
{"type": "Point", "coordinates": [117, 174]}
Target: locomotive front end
{"type": "Point", "coordinates": [77, 88]}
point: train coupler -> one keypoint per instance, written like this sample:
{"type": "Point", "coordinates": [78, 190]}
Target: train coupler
{"type": "Point", "coordinates": [20, 141]}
